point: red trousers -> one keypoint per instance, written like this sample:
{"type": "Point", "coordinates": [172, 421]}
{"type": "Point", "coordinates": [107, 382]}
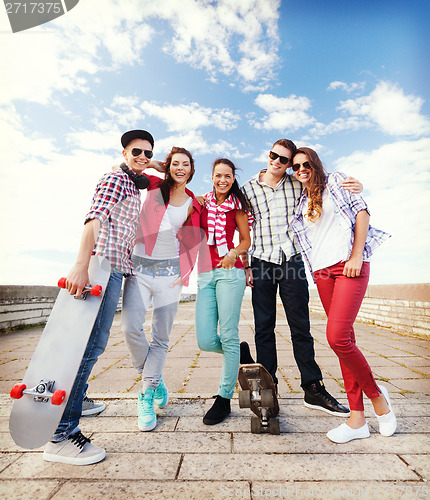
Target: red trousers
{"type": "Point", "coordinates": [341, 298]}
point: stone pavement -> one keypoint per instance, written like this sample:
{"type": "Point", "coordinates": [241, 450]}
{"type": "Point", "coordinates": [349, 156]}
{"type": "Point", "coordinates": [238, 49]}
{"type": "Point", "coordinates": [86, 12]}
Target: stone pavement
{"type": "Point", "coordinates": [184, 459]}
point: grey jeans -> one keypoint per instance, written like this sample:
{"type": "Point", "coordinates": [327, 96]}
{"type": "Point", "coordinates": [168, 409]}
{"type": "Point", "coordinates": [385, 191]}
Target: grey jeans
{"type": "Point", "coordinates": [152, 284]}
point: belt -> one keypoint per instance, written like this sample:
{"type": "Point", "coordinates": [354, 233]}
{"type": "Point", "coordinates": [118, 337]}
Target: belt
{"type": "Point", "coordinates": [155, 267]}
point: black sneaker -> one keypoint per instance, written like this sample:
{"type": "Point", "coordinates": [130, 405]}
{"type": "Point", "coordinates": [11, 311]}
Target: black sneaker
{"type": "Point", "coordinates": [245, 354]}
{"type": "Point", "coordinates": [218, 411]}
{"type": "Point", "coordinates": [317, 398]}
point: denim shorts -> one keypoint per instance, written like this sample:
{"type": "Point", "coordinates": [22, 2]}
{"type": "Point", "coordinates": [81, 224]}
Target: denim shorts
{"type": "Point", "coordinates": [154, 267]}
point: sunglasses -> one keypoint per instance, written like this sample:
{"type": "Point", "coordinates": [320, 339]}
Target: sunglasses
{"type": "Point", "coordinates": [138, 151]}
{"type": "Point", "coordinates": [283, 159]}
{"type": "Point", "coordinates": [305, 165]}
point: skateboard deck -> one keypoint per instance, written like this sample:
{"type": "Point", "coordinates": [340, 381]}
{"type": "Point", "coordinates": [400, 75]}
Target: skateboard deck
{"type": "Point", "coordinates": [43, 394]}
{"type": "Point", "coordinates": [259, 394]}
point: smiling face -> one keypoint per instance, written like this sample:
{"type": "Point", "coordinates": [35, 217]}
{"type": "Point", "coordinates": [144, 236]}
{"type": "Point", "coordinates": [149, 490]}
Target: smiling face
{"type": "Point", "coordinates": [223, 178]}
{"type": "Point", "coordinates": [180, 168]}
{"type": "Point", "coordinates": [275, 167]}
{"type": "Point", "coordinates": [303, 174]}
{"type": "Point", "coordinates": [140, 162]}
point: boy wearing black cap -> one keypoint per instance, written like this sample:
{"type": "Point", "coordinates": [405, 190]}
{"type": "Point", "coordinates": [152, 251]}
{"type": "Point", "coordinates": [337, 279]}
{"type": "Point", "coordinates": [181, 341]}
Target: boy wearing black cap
{"type": "Point", "coordinates": [109, 231]}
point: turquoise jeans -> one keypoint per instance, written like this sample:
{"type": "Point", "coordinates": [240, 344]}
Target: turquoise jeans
{"type": "Point", "coordinates": [219, 299]}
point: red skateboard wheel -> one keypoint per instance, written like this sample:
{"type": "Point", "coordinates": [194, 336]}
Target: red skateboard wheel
{"type": "Point", "coordinates": [58, 397]}
{"type": "Point", "coordinates": [17, 391]}
{"type": "Point", "coordinates": [62, 282]}
{"type": "Point", "coordinates": [96, 290]}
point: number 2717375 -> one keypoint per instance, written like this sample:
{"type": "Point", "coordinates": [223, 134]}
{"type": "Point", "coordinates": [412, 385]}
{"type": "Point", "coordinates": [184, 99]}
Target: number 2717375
{"type": "Point", "coordinates": [33, 8]}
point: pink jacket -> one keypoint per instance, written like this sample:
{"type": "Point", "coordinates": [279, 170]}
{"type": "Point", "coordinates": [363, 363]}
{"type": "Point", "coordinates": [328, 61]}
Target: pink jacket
{"type": "Point", "coordinates": [190, 235]}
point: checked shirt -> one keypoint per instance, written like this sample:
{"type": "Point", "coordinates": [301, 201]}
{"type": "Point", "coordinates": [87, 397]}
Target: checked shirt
{"type": "Point", "coordinates": [116, 204]}
{"type": "Point", "coordinates": [273, 211]}
{"type": "Point", "coordinates": [347, 206]}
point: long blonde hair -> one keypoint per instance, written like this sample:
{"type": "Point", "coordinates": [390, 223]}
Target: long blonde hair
{"type": "Point", "coordinates": [316, 185]}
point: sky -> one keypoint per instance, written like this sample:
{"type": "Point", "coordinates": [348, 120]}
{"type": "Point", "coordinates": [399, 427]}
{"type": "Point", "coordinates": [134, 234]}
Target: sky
{"type": "Point", "coordinates": [221, 78]}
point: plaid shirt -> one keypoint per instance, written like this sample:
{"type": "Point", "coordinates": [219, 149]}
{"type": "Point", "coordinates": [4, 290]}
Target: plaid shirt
{"type": "Point", "coordinates": [116, 204]}
{"type": "Point", "coordinates": [273, 211]}
{"type": "Point", "coordinates": [346, 205]}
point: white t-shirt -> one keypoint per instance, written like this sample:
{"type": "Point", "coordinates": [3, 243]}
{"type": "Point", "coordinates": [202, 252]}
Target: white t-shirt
{"type": "Point", "coordinates": [329, 240]}
{"type": "Point", "coordinates": [167, 244]}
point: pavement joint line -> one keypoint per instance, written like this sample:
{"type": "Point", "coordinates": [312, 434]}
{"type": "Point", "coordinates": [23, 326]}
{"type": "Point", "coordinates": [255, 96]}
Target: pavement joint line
{"type": "Point", "coordinates": [192, 444]}
{"type": "Point", "coordinates": [336, 379]}
{"type": "Point", "coordinates": [285, 379]}
{"type": "Point", "coordinates": [93, 377]}
{"type": "Point", "coordinates": [192, 368]}
{"type": "Point", "coordinates": [409, 466]}
{"type": "Point", "coordinates": [179, 467]}
{"type": "Point", "coordinates": [179, 340]}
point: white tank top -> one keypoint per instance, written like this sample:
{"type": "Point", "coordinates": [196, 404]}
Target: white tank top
{"type": "Point", "coordinates": [329, 240]}
{"type": "Point", "coordinates": [167, 244]}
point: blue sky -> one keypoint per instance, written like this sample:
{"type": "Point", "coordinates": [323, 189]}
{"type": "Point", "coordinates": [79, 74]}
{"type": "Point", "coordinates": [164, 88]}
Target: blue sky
{"type": "Point", "coordinates": [221, 78]}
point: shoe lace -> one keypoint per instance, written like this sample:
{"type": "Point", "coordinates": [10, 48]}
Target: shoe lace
{"type": "Point", "coordinates": [159, 391]}
{"type": "Point", "coordinates": [146, 404]}
{"type": "Point", "coordinates": [326, 395]}
{"type": "Point", "coordinates": [88, 400]}
{"type": "Point", "coordinates": [79, 439]}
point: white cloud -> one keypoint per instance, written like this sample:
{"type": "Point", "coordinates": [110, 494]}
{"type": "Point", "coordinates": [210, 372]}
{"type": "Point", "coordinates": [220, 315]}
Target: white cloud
{"type": "Point", "coordinates": [194, 142]}
{"type": "Point", "coordinates": [237, 39]}
{"type": "Point", "coordinates": [64, 53]}
{"type": "Point", "coordinates": [45, 197]}
{"type": "Point", "coordinates": [191, 116]}
{"type": "Point", "coordinates": [96, 140]}
{"type": "Point", "coordinates": [337, 125]}
{"type": "Point", "coordinates": [185, 122]}
{"type": "Point", "coordinates": [227, 37]}
{"type": "Point", "coordinates": [396, 178]}
{"type": "Point", "coordinates": [386, 107]}
{"type": "Point", "coordinates": [391, 110]}
{"type": "Point", "coordinates": [191, 140]}
{"type": "Point", "coordinates": [284, 114]}
{"type": "Point", "coordinates": [349, 88]}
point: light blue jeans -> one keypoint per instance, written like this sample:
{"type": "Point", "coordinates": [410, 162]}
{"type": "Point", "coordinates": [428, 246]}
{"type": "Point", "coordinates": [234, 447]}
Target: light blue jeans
{"type": "Point", "coordinates": [219, 299]}
{"type": "Point", "coordinates": [152, 284]}
{"type": "Point", "coordinates": [96, 345]}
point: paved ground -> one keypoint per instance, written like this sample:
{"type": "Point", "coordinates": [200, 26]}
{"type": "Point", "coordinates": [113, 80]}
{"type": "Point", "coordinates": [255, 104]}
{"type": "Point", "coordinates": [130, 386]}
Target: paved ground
{"type": "Point", "coordinates": [184, 459]}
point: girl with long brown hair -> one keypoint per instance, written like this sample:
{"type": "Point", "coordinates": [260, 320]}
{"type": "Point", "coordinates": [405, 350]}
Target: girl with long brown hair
{"type": "Point", "coordinates": [162, 264]}
{"type": "Point", "coordinates": [332, 228]}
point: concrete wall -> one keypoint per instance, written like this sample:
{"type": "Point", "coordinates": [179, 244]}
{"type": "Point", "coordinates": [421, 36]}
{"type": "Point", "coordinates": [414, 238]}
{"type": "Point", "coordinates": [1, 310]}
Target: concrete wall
{"type": "Point", "coordinates": [22, 306]}
{"type": "Point", "coordinates": [25, 305]}
{"type": "Point", "coordinates": [405, 308]}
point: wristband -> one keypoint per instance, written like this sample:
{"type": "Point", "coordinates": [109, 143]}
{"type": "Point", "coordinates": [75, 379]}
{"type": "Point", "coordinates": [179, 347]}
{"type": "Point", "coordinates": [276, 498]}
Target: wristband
{"type": "Point", "coordinates": [248, 267]}
{"type": "Point", "coordinates": [235, 251]}
{"type": "Point", "coordinates": [233, 260]}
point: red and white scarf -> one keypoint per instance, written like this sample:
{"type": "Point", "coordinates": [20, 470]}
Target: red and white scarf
{"type": "Point", "coordinates": [217, 220]}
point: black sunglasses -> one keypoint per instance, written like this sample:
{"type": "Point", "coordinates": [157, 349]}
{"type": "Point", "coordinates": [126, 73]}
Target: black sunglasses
{"type": "Point", "coordinates": [283, 159]}
{"type": "Point", "coordinates": [305, 164]}
{"type": "Point", "coordinates": [138, 151]}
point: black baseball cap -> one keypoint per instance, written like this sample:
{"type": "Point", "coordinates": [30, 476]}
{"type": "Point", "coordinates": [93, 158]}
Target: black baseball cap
{"type": "Point", "coordinates": [136, 134]}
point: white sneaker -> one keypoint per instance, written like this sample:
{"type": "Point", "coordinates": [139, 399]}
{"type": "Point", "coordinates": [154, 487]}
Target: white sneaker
{"type": "Point", "coordinates": [75, 450]}
{"type": "Point", "coordinates": [387, 423]}
{"type": "Point", "coordinates": [345, 433]}
{"type": "Point", "coordinates": [90, 407]}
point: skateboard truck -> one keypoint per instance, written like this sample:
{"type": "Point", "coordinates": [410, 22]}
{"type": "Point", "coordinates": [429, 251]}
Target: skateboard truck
{"type": "Point", "coordinates": [42, 392]}
{"type": "Point", "coordinates": [95, 290]}
{"type": "Point", "coordinates": [258, 394]}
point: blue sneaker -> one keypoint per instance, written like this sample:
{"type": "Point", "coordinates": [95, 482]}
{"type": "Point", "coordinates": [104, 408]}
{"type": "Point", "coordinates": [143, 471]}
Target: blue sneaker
{"type": "Point", "coordinates": [161, 397]}
{"type": "Point", "coordinates": [147, 418]}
